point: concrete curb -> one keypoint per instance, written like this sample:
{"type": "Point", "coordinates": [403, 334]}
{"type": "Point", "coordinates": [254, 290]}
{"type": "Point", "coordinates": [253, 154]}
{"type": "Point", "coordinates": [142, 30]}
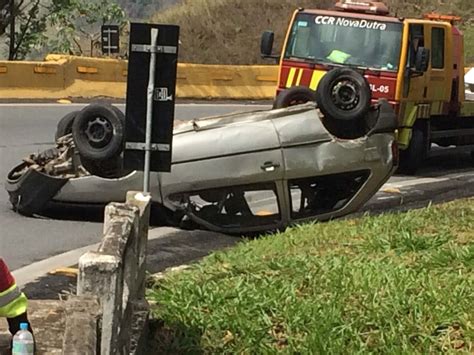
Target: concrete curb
{"type": "Point", "coordinates": [421, 193]}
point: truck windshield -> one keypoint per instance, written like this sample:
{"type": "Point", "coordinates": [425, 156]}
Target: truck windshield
{"type": "Point", "coordinates": [345, 40]}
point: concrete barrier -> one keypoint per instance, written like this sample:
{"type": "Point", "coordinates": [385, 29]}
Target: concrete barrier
{"type": "Point", "coordinates": [61, 327]}
{"type": "Point", "coordinates": [226, 82]}
{"type": "Point", "coordinates": [61, 76]}
{"type": "Point", "coordinates": [115, 273]}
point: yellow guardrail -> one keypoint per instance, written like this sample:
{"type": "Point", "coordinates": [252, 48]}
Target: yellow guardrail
{"type": "Point", "coordinates": [61, 76]}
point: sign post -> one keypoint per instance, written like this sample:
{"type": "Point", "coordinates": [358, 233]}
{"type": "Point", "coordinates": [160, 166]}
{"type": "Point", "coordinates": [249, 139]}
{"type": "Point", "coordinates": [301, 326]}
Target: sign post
{"type": "Point", "coordinates": [149, 111]}
{"type": "Point", "coordinates": [151, 87]}
{"type": "Point", "coordinates": [110, 36]}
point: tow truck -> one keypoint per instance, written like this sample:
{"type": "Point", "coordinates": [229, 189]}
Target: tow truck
{"type": "Point", "coordinates": [416, 64]}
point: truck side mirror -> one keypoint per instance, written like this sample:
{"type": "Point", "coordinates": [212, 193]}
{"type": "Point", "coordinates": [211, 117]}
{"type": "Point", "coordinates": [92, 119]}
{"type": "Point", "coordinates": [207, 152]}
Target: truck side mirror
{"type": "Point", "coordinates": [422, 59]}
{"type": "Point", "coordinates": [266, 44]}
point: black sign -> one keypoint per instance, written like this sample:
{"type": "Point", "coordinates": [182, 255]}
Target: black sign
{"type": "Point", "coordinates": [163, 96]}
{"type": "Point", "coordinates": [110, 39]}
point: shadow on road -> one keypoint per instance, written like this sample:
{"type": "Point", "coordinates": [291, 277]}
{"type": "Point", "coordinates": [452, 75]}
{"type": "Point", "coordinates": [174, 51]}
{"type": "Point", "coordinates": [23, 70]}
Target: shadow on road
{"type": "Point", "coordinates": [443, 163]}
{"type": "Point", "coordinates": [88, 213]}
{"type": "Point", "coordinates": [81, 213]}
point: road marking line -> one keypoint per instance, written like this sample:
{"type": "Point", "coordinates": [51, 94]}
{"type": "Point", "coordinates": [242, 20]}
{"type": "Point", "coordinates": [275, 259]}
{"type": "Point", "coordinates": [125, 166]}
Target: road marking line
{"type": "Point", "coordinates": [390, 190]}
{"type": "Point", "coordinates": [65, 271]}
{"type": "Point", "coordinates": [36, 270]}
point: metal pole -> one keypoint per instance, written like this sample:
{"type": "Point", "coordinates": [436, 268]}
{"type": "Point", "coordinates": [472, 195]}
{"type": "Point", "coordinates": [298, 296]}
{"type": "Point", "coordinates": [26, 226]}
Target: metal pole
{"type": "Point", "coordinates": [12, 30]}
{"type": "Point", "coordinates": [149, 110]}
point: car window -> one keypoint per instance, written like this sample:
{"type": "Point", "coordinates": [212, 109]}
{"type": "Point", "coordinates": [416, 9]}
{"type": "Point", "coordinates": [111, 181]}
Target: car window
{"type": "Point", "coordinates": [323, 194]}
{"type": "Point", "coordinates": [237, 206]}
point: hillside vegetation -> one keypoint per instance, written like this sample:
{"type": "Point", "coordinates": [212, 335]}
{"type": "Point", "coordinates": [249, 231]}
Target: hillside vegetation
{"type": "Point", "coordinates": [228, 31]}
{"type": "Point", "coordinates": [138, 9]}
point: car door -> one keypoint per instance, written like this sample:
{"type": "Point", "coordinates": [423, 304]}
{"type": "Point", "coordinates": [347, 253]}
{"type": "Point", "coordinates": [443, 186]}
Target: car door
{"type": "Point", "coordinates": [440, 78]}
{"type": "Point", "coordinates": [229, 178]}
{"type": "Point", "coordinates": [326, 177]}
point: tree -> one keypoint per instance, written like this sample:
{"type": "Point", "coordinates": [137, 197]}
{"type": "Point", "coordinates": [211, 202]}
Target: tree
{"type": "Point", "coordinates": [4, 15]}
{"type": "Point", "coordinates": [58, 25]}
{"type": "Point", "coordinates": [80, 21]}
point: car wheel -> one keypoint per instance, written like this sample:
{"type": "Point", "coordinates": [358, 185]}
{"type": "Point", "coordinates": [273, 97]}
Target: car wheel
{"type": "Point", "coordinates": [109, 169]}
{"type": "Point", "coordinates": [98, 132]}
{"type": "Point", "coordinates": [343, 95]}
{"type": "Point", "coordinates": [412, 157]}
{"type": "Point", "coordinates": [294, 96]}
{"type": "Point", "coordinates": [64, 125]}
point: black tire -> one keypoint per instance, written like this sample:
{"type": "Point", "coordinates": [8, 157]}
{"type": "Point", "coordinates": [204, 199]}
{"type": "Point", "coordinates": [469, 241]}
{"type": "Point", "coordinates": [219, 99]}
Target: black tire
{"type": "Point", "coordinates": [120, 114]}
{"type": "Point", "coordinates": [110, 169]}
{"type": "Point", "coordinates": [344, 95]}
{"type": "Point", "coordinates": [108, 103]}
{"type": "Point", "coordinates": [294, 96]}
{"type": "Point", "coordinates": [64, 125]}
{"type": "Point", "coordinates": [98, 132]}
{"type": "Point", "coordinates": [412, 157]}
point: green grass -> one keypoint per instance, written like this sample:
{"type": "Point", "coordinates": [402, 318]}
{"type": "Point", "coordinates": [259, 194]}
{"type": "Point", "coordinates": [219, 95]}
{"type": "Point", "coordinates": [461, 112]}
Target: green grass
{"type": "Point", "coordinates": [396, 283]}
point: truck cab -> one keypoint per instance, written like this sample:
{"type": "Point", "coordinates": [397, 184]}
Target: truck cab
{"type": "Point", "coordinates": [415, 64]}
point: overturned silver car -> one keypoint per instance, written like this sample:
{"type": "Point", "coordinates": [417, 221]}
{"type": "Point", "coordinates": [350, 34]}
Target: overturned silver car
{"type": "Point", "coordinates": [237, 173]}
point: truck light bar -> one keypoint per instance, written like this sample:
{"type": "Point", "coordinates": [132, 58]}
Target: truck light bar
{"type": "Point", "coordinates": [439, 17]}
{"type": "Point", "coordinates": [369, 7]}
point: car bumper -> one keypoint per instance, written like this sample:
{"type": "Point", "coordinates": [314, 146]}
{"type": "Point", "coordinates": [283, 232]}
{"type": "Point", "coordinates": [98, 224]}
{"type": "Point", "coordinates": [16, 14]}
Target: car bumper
{"type": "Point", "coordinates": [31, 191]}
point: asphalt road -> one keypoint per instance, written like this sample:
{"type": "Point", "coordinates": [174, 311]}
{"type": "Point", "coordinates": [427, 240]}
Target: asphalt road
{"type": "Point", "coordinates": [27, 128]}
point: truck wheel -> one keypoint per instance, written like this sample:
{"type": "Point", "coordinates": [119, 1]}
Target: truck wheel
{"type": "Point", "coordinates": [98, 132]}
{"type": "Point", "coordinates": [412, 157]}
{"type": "Point", "coordinates": [343, 95]}
{"type": "Point", "coordinates": [294, 96]}
{"type": "Point", "coordinates": [64, 125]}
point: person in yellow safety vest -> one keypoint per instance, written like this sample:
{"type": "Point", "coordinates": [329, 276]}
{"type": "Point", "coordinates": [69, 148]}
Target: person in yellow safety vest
{"type": "Point", "coordinates": [13, 302]}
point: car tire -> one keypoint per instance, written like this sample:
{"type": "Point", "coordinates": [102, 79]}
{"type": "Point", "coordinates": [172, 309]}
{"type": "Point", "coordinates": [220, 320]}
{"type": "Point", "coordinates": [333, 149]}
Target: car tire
{"type": "Point", "coordinates": [294, 96]}
{"type": "Point", "coordinates": [98, 132]}
{"type": "Point", "coordinates": [412, 157]}
{"type": "Point", "coordinates": [111, 168]}
{"type": "Point", "coordinates": [64, 125]}
{"type": "Point", "coordinates": [343, 95]}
